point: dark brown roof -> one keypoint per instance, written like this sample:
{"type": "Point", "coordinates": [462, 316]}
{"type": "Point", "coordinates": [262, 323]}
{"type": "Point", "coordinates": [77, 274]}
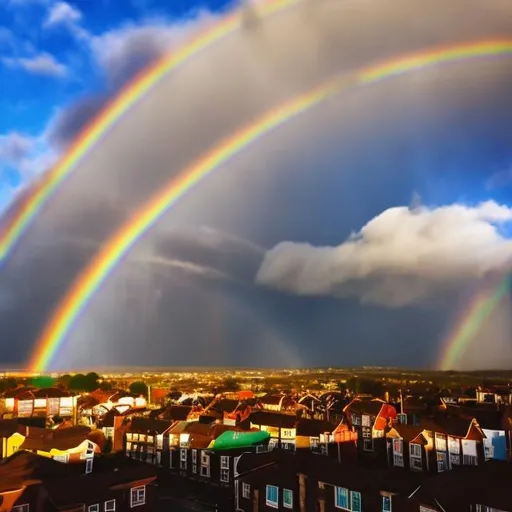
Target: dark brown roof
{"type": "Point", "coordinates": [271, 399]}
{"type": "Point", "coordinates": [371, 407]}
{"type": "Point", "coordinates": [273, 419]}
{"type": "Point", "coordinates": [176, 412]}
{"type": "Point", "coordinates": [408, 432]}
{"type": "Point", "coordinates": [67, 484]}
{"type": "Point", "coordinates": [9, 427]}
{"type": "Point", "coordinates": [50, 393]}
{"type": "Point", "coordinates": [148, 425]}
{"type": "Point", "coordinates": [45, 439]}
{"type": "Point", "coordinates": [17, 392]}
{"type": "Point", "coordinates": [313, 428]}
{"type": "Point", "coordinates": [224, 405]}
{"type": "Point", "coordinates": [324, 469]}
{"type": "Point", "coordinates": [445, 424]}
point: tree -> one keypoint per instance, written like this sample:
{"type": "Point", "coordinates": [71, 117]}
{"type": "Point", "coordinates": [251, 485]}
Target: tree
{"type": "Point", "coordinates": [230, 384]}
{"type": "Point", "coordinates": [7, 384]}
{"type": "Point", "coordinates": [138, 388]}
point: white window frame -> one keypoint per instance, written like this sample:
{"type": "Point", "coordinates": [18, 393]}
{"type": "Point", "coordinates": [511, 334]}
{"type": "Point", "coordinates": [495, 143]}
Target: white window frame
{"type": "Point", "coordinates": [370, 441]}
{"type": "Point", "coordinates": [110, 506]}
{"type": "Point", "coordinates": [205, 459]}
{"type": "Point", "coordinates": [352, 494]}
{"type": "Point", "coordinates": [94, 508]}
{"type": "Point", "coordinates": [194, 468]}
{"type": "Point", "coordinates": [224, 462]}
{"type": "Point", "coordinates": [137, 492]}
{"type": "Point", "coordinates": [88, 465]}
{"type": "Point", "coordinates": [268, 502]}
{"type": "Point", "coordinates": [246, 491]}
{"type": "Point", "coordinates": [194, 456]}
{"type": "Point", "coordinates": [415, 447]}
{"type": "Point", "coordinates": [288, 492]}
{"type": "Point", "coordinates": [224, 475]}
{"type": "Point", "coordinates": [365, 420]}
{"type": "Point", "coordinates": [205, 470]}
{"type": "Point", "coordinates": [390, 509]}
{"type": "Point", "coordinates": [338, 505]}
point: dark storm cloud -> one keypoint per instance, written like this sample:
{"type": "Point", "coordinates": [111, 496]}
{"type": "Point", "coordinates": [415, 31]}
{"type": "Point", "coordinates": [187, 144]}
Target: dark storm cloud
{"type": "Point", "coordinates": [68, 124]}
{"type": "Point", "coordinates": [177, 313]}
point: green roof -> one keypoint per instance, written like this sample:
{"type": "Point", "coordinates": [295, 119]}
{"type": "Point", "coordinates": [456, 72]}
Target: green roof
{"type": "Point", "coordinates": [231, 440]}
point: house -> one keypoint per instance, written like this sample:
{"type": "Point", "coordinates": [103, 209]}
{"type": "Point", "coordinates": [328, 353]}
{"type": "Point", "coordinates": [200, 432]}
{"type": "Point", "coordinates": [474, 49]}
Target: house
{"type": "Point", "coordinates": [370, 418]}
{"type": "Point", "coordinates": [302, 481]}
{"type": "Point", "coordinates": [436, 445]}
{"type": "Point", "coordinates": [277, 403]}
{"type": "Point", "coordinates": [44, 402]}
{"type": "Point", "coordinates": [64, 445]}
{"type": "Point", "coordinates": [406, 447]}
{"type": "Point", "coordinates": [281, 428]}
{"type": "Point", "coordinates": [29, 482]}
{"type": "Point", "coordinates": [148, 440]}
{"type": "Point", "coordinates": [496, 424]}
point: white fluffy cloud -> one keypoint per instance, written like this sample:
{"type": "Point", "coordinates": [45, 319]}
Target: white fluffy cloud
{"type": "Point", "coordinates": [40, 64]}
{"type": "Point", "coordinates": [401, 257]}
{"type": "Point", "coordinates": [62, 13]}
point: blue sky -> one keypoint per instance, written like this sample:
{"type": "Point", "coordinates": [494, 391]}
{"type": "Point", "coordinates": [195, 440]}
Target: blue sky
{"type": "Point", "coordinates": [445, 137]}
{"type": "Point", "coordinates": [50, 57]}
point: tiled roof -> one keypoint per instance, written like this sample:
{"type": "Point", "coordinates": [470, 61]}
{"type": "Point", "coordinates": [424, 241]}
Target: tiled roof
{"type": "Point", "coordinates": [45, 439]}
{"type": "Point", "coordinates": [68, 484]}
{"type": "Point", "coordinates": [148, 425]}
{"type": "Point", "coordinates": [273, 419]}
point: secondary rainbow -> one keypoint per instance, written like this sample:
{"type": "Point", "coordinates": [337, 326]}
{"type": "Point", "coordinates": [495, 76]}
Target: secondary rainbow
{"type": "Point", "coordinates": [463, 334]}
{"type": "Point", "coordinates": [102, 264]}
{"type": "Point", "coordinates": [134, 91]}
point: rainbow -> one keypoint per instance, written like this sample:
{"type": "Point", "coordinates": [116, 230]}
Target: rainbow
{"type": "Point", "coordinates": [470, 321]}
{"type": "Point", "coordinates": [112, 253]}
{"type": "Point", "coordinates": [128, 97]}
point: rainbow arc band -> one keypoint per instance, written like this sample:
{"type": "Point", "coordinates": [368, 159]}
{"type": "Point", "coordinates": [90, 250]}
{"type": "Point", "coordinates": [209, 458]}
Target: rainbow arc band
{"type": "Point", "coordinates": [112, 253]}
{"type": "Point", "coordinates": [32, 205]}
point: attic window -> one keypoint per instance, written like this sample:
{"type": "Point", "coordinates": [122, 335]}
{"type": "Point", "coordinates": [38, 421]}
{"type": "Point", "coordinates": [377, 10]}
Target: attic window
{"type": "Point", "coordinates": [110, 506]}
{"type": "Point", "coordinates": [94, 508]}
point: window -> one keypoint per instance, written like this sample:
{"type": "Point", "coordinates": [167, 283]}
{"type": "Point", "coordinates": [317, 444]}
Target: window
{"type": "Point", "coordinates": [160, 442]}
{"type": "Point", "coordinates": [110, 506]}
{"type": "Point", "coordinates": [94, 508]}
{"type": "Point", "coordinates": [288, 433]}
{"type": "Point", "coordinates": [272, 496]}
{"type": "Point", "coordinates": [416, 464]}
{"type": "Point", "coordinates": [194, 468]}
{"type": "Point", "coordinates": [469, 460]}
{"type": "Point", "coordinates": [246, 491]}
{"type": "Point", "coordinates": [365, 420]}
{"type": "Point", "coordinates": [205, 459]}
{"type": "Point", "coordinates": [368, 444]}
{"type": "Point", "coordinates": [194, 456]}
{"type": "Point", "coordinates": [224, 475]}
{"type": "Point", "coordinates": [21, 508]}
{"type": "Point", "coordinates": [397, 446]}
{"type": "Point", "coordinates": [261, 448]}
{"type": "Point", "coordinates": [415, 450]}
{"type": "Point", "coordinates": [205, 471]}
{"type": "Point", "coordinates": [398, 460]}
{"type": "Point", "coordinates": [150, 439]}
{"type": "Point", "coordinates": [88, 466]}
{"type": "Point", "coordinates": [183, 459]}
{"type": "Point", "coordinates": [386, 503]}
{"type": "Point", "coordinates": [355, 501]}
{"type": "Point", "coordinates": [224, 462]}
{"type": "Point", "coordinates": [356, 420]}
{"type": "Point", "coordinates": [137, 496]}
{"type": "Point", "coordinates": [289, 446]}
{"type": "Point", "coordinates": [341, 497]}
{"type": "Point", "coordinates": [367, 432]}
{"type": "Point", "coordinates": [314, 443]}
{"type": "Point", "coordinates": [287, 498]}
